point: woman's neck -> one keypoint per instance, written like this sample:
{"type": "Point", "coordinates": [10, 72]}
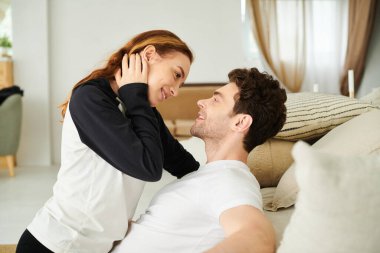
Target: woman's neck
{"type": "Point", "coordinates": [114, 87]}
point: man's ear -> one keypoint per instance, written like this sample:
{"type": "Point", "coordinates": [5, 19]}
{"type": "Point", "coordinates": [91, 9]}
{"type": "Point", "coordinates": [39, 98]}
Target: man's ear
{"type": "Point", "coordinates": [242, 122]}
{"type": "Point", "coordinates": [148, 52]}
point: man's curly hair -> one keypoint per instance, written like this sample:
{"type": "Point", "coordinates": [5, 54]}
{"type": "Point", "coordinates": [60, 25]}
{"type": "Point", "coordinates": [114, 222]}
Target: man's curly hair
{"type": "Point", "coordinates": [260, 96]}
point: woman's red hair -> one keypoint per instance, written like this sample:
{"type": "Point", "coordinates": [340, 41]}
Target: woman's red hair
{"type": "Point", "coordinates": [163, 40]}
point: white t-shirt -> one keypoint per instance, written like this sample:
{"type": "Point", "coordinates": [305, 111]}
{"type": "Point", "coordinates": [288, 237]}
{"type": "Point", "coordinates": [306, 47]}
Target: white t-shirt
{"type": "Point", "coordinates": [184, 215]}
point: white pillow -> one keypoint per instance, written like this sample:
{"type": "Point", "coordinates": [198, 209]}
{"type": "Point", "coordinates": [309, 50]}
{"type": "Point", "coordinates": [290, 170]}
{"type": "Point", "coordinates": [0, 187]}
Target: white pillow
{"type": "Point", "coordinates": [338, 206]}
{"type": "Point", "coordinates": [360, 135]}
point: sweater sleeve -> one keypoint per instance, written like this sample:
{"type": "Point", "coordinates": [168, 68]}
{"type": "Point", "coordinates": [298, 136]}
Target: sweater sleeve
{"type": "Point", "coordinates": [177, 160]}
{"type": "Point", "coordinates": [130, 143]}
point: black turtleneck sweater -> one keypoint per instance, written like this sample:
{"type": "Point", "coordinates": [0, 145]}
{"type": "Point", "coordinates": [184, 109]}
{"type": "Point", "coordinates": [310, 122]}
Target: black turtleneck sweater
{"type": "Point", "coordinates": [136, 141]}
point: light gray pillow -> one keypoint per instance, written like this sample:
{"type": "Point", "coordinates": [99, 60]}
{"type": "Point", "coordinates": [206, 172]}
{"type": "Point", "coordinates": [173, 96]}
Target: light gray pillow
{"type": "Point", "coordinates": [360, 135]}
{"type": "Point", "coordinates": [338, 206]}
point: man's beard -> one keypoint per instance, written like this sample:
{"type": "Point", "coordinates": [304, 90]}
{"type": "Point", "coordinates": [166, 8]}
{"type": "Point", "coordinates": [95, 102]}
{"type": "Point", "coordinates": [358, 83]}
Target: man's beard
{"type": "Point", "coordinates": [197, 131]}
{"type": "Point", "coordinates": [203, 132]}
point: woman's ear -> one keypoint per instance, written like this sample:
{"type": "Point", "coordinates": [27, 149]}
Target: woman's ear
{"type": "Point", "coordinates": [242, 122]}
{"type": "Point", "coordinates": [148, 52]}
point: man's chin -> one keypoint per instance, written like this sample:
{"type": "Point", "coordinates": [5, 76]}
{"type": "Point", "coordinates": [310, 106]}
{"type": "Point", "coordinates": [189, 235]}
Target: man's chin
{"type": "Point", "coordinates": [196, 132]}
{"type": "Point", "coordinates": [193, 132]}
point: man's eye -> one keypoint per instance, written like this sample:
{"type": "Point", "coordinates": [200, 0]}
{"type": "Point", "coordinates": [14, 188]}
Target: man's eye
{"type": "Point", "coordinates": [177, 75]}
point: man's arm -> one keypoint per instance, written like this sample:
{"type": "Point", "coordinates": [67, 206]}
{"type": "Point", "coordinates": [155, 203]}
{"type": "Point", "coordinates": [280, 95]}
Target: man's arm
{"type": "Point", "coordinates": [247, 230]}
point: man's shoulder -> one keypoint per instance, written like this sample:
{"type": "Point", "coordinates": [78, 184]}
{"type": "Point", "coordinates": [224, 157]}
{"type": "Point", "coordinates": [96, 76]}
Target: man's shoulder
{"type": "Point", "coordinates": [233, 169]}
{"type": "Point", "coordinates": [229, 173]}
{"type": "Point", "coordinates": [237, 176]}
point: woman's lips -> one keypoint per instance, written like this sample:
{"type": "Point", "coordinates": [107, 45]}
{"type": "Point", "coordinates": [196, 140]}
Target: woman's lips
{"type": "Point", "coordinates": [163, 95]}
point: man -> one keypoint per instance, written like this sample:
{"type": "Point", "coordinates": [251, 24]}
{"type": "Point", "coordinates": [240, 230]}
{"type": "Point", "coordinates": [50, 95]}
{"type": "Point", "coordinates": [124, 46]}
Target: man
{"type": "Point", "coordinates": [218, 208]}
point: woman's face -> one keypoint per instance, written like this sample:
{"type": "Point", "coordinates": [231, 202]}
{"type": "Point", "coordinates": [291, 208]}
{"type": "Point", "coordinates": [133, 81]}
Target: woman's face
{"type": "Point", "coordinates": [165, 75]}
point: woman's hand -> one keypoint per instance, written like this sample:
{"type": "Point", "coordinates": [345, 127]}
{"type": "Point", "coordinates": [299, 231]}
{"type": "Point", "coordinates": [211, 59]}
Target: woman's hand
{"type": "Point", "coordinates": [134, 72]}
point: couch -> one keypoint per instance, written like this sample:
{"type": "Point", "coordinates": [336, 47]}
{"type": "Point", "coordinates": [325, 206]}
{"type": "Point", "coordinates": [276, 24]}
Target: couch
{"type": "Point", "coordinates": [10, 128]}
{"type": "Point", "coordinates": [319, 175]}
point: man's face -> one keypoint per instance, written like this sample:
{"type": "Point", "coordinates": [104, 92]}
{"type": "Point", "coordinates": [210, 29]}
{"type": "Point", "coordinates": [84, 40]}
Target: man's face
{"type": "Point", "coordinates": [215, 114]}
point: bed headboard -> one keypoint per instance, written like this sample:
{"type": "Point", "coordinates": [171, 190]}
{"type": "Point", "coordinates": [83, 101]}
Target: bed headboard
{"type": "Point", "coordinates": [180, 112]}
{"type": "Point", "coordinates": [184, 106]}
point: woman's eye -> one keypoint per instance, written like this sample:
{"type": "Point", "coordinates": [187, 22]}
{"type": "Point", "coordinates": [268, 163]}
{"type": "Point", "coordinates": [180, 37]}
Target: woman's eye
{"type": "Point", "coordinates": [177, 75]}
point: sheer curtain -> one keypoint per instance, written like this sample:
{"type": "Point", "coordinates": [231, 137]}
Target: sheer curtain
{"type": "Point", "coordinates": [326, 37]}
{"type": "Point", "coordinates": [302, 43]}
{"type": "Point", "coordinates": [279, 31]}
{"type": "Point", "coordinates": [250, 49]}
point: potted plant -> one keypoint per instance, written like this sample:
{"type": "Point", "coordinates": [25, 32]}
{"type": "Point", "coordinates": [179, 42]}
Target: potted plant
{"type": "Point", "coordinates": [5, 45]}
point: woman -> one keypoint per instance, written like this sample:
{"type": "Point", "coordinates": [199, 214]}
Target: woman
{"type": "Point", "coordinates": [113, 139]}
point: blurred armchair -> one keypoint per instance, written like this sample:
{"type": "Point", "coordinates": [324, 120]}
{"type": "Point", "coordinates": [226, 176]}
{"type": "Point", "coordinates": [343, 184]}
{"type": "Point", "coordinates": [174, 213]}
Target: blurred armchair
{"type": "Point", "coordinates": [10, 127]}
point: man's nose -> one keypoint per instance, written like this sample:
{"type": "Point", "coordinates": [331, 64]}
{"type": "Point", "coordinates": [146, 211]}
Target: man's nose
{"type": "Point", "coordinates": [200, 103]}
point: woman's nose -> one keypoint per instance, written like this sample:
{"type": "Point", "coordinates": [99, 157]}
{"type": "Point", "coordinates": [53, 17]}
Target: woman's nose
{"type": "Point", "coordinates": [174, 91]}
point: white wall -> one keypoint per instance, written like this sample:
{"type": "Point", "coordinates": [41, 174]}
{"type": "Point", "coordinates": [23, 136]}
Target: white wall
{"type": "Point", "coordinates": [371, 77]}
{"type": "Point", "coordinates": [58, 42]}
{"type": "Point", "coordinates": [31, 73]}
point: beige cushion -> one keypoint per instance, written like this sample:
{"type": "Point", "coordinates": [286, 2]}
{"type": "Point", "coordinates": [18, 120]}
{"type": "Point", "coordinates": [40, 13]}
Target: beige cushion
{"type": "Point", "coordinates": [311, 115]}
{"type": "Point", "coordinates": [338, 207]}
{"type": "Point", "coordinates": [278, 219]}
{"type": "Point", "coordinates": [183, 127]}
{"type": "Point", "coordinates": [360, 135]}
{"type": "Point", "coordinates": [269, 161]}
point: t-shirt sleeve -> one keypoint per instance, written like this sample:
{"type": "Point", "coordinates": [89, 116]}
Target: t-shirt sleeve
{"type": "Point", "coordinates": [130, 143]}
{"type": "Point", "coordinates": [231, 189]}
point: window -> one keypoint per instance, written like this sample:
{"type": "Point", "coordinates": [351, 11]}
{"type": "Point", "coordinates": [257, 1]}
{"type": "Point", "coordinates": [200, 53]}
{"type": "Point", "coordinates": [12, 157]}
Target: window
{"type": "Point", "coordinates": [6, 23]}
{"type": "Point", "coordinates": [251, 51]}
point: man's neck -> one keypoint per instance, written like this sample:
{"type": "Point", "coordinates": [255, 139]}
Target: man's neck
{"type": "Point", "coordinates": [225, 150]}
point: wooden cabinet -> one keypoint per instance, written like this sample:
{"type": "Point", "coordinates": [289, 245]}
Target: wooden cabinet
{"type": "Point", "coordinates": [6, 73]}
